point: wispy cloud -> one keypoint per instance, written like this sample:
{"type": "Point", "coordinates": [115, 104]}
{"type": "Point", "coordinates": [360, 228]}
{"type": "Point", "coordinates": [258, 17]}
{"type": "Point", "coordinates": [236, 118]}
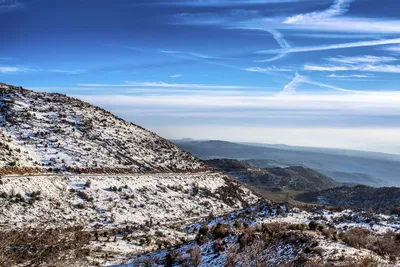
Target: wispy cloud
{"type": "Point", "coordinates": [170, 85]}
{"type": "Point", "coordinates": [268, 69]}
{"type": "Point", "coordinates": [351, 76]}
{"type": "Point", "coordinates": [374, 102]}
{"type": "Point", "coordinates": [8, 4]}
{"type": "Point", "coordinates": [281, 41]}
{"type": "Point", "coordinates": [210, 3]}
{"type": "Point", "coordinates": [335, 35]}
{"type": "Point", "coordinates": [338, 8]}
{"type": "Point", "coordinates": [175, 76]}
{"type": "Point", "coordinates": [331, 47]}
{"type": "Point", "coordinates": [74, 72]}
{"type": "Point", "coordinates": [359, 67]}
{"type": "Point", "coordinates": [9, 69]}
{"type": "Point", "coordinates": [361, 59]}
{"type": "Point", "coordinates": [393, 48]}
{"type": "Point", "coordinates": [290, 88]}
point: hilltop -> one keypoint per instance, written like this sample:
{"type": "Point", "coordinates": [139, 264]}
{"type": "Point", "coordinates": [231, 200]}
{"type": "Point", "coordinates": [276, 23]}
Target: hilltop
{"type": "Point", "coordinates": [42, 130]}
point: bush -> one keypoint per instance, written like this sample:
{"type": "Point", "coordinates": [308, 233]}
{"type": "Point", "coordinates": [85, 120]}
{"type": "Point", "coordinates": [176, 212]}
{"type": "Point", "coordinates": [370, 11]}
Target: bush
{"type": "Point", "coordinates": [320, 227]}
{"type": "Point", "coordinates": [170, 258]}
{"type": "Point", "coordinates": [220, 231]}
{"type": "Point", "coordinates": [356, 237]}
{"type": "Point", "coordinates": [313, 225]}
{"type": "Point", "coordinates": [195, 256]}
{"type": "Point", "coordinates": [88, 184]}
{"type": "Point", "coordinates": [238, 224]}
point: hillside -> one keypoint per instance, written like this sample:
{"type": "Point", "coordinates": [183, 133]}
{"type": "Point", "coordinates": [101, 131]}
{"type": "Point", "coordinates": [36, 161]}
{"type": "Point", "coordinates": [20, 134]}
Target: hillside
{"type": "Point", "coordinates": [291, 178]}
{"type": "Point", "coordinates": [341, 167]}
{"type": "Point", "coordinates": [363, 197]}
{"type": "Point", "coordinates": [42, 130]}
{"type": "Point", "coordinates": [70, 172]}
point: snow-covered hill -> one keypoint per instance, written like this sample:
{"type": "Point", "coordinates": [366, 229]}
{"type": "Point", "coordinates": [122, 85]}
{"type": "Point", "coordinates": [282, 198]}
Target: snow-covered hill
{"type": "Point", "coordinates": [56, 131]}
{"type": "Point", "coordinates": [76, 170]}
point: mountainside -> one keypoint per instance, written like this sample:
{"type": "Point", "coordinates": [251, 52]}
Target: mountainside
{"type": "Point", "coordinates": [56, 131]}
{"type": "Point", "coordinates": [291, 178]}
{"type": "Point", "coordinates": [364, 197]}
{"type": "Point", "coordinates": [378, 172]}
{"type": "Point", "coordinates": [70, 172]}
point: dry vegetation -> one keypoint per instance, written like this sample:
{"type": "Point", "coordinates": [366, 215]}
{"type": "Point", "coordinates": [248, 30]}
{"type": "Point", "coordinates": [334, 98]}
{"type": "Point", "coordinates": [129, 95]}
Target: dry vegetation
{"type": "Point", "coordinates": [44, 247]}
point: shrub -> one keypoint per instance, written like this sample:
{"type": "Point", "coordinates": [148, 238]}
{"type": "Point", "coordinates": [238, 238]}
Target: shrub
{"type": "Point", "coordinates": [356, 237]}
{"type": "Point", "coordinates": [170, 258]}
{"type": "Point", "coordinates": [313, 225]}
{"type": "Point", "coordinates": [220, 231]}
{"type": "Point", "coordinates": [238, 224]}
{"type": "Point", "coordinates": [195, 256]}
{"type": "Point", "coordinates": [88, 183]}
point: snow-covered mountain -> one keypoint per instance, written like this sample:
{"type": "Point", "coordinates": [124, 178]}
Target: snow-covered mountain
{"type": "Point", "coordinates": [56, 131]}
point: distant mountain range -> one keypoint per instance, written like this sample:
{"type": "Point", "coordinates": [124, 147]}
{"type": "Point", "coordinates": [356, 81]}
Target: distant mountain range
{"type": "Point", "coordinates": [345, 166]}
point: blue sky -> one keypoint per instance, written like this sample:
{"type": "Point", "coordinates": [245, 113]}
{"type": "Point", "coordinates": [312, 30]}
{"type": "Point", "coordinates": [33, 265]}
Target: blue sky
{"type": "Point", "coordinates": [299, 72]}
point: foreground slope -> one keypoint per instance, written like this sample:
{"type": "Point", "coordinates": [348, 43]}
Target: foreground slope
{"type": "Point", "coordinates": [56, 131]}
{"type": "Point", "coordinates": [70, 172]}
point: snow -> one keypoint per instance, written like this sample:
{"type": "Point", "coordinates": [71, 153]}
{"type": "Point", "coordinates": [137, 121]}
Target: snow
{"type": "Point", "coordinates": [163, 198]}
{"type": "Point", "coordinates": [57, 131]}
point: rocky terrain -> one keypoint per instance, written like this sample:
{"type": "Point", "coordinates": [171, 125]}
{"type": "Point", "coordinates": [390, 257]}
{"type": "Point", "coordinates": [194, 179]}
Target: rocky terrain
{"type": "Point", "coordinates": [290, 178]}
{"type": "Point", "coordinates": [265, 235]}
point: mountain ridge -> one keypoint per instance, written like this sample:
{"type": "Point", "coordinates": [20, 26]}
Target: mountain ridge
{"type": "Point", "coordinates": [43, 130]}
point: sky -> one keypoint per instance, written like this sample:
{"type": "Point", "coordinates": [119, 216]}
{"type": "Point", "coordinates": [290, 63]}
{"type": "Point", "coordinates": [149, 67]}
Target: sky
{"type": "Point", "coordinates": [322, 73]}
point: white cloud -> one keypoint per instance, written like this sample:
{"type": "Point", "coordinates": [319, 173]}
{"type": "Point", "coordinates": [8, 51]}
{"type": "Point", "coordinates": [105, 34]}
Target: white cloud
{"type": "Point", "coordinates": [392, 48]}
{"type": "Point", "coordinates": [361, 59]}
{"type": "Point", "coordinates": [351, 76]}
{"type": "Point", "coordinates": [346, 24]}
{"type": "Point", "coordinates": [209, 3]}
{"type": "Point", "coordinates": [338, 8]}
{"type": "Point", "coordinates": [362, 67]}
{"type": "Point", "coordinates": [175, 76]}
{"type": "Point", "coordinates": [75, 72]}
{"type": "Point", "coordinates": [169, 85]}
{"type": "Point", "coordinates": [333, 46]}
{"type": "Point", "coordinates": [373, 103]}
{"type": "Point", "coordinates": [290, 88]}
{"type": "Point", "coordinates": [9, 69]}
{"type": "Point", "coordinates": [268, 69]}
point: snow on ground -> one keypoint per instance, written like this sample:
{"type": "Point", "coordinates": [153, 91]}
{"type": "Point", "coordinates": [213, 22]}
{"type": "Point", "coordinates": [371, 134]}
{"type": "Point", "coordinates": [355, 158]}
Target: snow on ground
{"type": "Point", "coordinates": [256, 216]}
{"type": "Point", "coordinates": [56, 131]}
{"type": "Point", "coordinates": [100, 201]}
